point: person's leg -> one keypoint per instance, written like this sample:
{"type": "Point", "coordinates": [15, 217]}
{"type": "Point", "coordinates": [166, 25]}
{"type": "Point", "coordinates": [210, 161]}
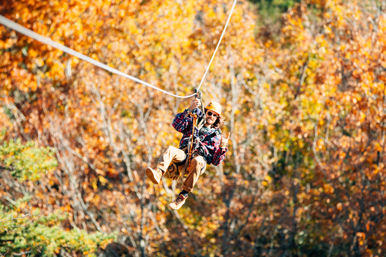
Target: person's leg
{"type": "Point", "coordinates": [171, 154]}
{"type": "Point", "coordinates": [196, 169]}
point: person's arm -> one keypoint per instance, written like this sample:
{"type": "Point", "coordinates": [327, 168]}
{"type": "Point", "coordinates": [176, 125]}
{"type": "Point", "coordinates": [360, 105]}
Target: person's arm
{"type": "Point", "coordinates": [220, 151]}
{"type": "Point", "coordinates": [183, 122]}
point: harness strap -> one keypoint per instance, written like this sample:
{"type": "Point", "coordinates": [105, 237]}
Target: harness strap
{"type": "Point", "coordinates": [201, 120]}
{"type": "Point", "coordinates": [191, 142]}
{"type": "Point", "coordinates": [198, 122]}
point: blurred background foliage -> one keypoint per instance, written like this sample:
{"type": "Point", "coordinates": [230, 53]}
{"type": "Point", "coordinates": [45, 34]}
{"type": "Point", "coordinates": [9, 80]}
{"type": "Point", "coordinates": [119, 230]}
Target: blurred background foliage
{"type": "Point", "coordinates": [303, 89]}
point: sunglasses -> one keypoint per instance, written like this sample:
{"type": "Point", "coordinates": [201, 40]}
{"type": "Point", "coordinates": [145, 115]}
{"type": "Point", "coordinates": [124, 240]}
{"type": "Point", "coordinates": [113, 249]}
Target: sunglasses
{"type": "Point", "coordinates": [209, 113]}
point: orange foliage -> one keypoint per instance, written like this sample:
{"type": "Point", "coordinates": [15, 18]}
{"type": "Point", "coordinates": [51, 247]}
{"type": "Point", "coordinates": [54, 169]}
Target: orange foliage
{"type": "Point", "coordinates": [305, 171]}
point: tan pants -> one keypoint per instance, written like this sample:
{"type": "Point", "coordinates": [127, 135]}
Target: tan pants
{"type": "Point", "coordinates": [195, 169]}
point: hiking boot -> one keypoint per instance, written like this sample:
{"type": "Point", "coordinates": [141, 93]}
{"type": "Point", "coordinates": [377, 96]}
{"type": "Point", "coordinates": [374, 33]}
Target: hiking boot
{"type": "Point", "coordinates": [154, 175]}
{"type": "Point", "coordinates": [178, 202]}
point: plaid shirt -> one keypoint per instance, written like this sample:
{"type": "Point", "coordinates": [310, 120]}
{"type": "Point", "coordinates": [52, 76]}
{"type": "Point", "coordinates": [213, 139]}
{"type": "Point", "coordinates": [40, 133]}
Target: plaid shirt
{"type": "Point", "coordinates": [207, 140]}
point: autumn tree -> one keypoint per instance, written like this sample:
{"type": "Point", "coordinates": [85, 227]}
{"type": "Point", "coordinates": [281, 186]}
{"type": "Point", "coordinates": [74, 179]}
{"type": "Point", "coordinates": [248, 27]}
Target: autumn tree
{"type": "Point", "coordinates": [303, 99]}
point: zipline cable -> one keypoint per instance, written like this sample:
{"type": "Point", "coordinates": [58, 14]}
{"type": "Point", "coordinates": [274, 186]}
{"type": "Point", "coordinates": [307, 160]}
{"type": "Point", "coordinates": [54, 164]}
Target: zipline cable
{"type": "Point", "coordinates": [218, 44]}
{"type": "Point", "coordinates": [29, 33]}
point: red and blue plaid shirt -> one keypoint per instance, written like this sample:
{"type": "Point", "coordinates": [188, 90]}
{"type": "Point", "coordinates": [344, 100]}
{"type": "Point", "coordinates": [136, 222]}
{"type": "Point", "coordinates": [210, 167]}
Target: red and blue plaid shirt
{"type": "Point", "coordinates": [207, 140]}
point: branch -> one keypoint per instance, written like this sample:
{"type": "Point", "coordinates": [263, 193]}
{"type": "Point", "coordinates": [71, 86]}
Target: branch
{"type": "Point", "coordinates": [302, 77]}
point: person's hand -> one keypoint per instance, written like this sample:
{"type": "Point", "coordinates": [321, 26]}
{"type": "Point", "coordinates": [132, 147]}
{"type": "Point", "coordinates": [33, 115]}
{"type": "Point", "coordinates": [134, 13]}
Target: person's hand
{"type": "Point", "coordinates": [194, 104]}
{"type": "Point", "coordinates": [224, 141]}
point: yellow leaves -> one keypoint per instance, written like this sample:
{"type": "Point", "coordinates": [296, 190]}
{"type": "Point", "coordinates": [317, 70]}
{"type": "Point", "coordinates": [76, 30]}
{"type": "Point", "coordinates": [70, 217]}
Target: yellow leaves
{"type": "Point", "coordinates": [267, 180]}
{"type": "Point", "coordinates": [266, 86]}
{"type": "Point", "coordinates": [78, 26]}
{"type": "Point", "coordinates": [132, 27]}
{"type": "Point", "coordinates": [328, 189]}
{"type": "Point", "coordinates": [342, 155]}
{"type": "Point", "coordinates": [7, 43]}
{"type": "Point", "coordinates": [103, 180]}
{"type": "Point", "coordinates": [27, 81]}
{"type": "Point", "coordinates": [94, 184]}
{"type": "Point", "coordinates": [148, 66]}
{"type": "Point", "coordinates": [211, 14]}
{"type": "Point", "coordinates": [95, 57]}
{"type": "Point", "coordinates": [377, 168]}
{"type": "Point", "coordinates": [22, 206]}
{"type": "Point", "coordinates": [121, 13]}
{"type": "Point", "coordinates": [338, 11]}
{"type": "Point", "coordinates": [378, 147]}
{"type": "Point", "coordinates": [57, 70]}
{"type": "Point", "coordinates": [320, 145]}
{"type": "Point", "coordinates": [361, 237]}
{"type": "Point", "coordinates": [362, 117]}
{"type": "Point", "coordinates": [67, 208]}
{"type": "Point", "coordinates": [39, 62]}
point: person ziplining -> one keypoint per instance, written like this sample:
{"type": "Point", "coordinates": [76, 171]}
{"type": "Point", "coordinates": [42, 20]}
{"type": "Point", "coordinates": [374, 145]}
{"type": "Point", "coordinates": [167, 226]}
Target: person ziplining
{"type": "Point", "coordinates": [202, 142]}
{"type": "Point", "coordinates": [200, 145]}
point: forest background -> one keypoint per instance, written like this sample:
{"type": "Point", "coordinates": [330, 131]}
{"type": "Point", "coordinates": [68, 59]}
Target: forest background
{"type": "Point", "coordinates": [303, 89]}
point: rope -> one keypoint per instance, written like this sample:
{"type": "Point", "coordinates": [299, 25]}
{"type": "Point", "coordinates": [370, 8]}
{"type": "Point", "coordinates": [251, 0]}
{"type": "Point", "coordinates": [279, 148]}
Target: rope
{"type": "Point", "coordinates": [29, 33]}
{"type": "Point", "coordinates": [218, 44]}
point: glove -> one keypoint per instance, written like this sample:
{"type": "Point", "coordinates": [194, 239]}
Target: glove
{"type": "Point", "coordinates": [224, 142]}
{"type": "Point", "coordinates": [194, 104]}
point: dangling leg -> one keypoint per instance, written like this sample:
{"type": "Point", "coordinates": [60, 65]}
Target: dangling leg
{"type": "Point", "coordinates": [171, 154]}
{"type": "Point", "coordinates": [196, 169]}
